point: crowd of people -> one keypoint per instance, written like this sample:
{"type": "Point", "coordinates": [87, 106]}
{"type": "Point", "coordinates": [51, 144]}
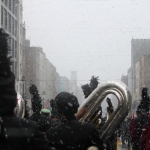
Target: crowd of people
{"type": "Point", "coordinates": [39, 132]}
{"type": "Point", "coordinates": [135, 129]}
{"type": "Point", "coordinates": [60, 128]}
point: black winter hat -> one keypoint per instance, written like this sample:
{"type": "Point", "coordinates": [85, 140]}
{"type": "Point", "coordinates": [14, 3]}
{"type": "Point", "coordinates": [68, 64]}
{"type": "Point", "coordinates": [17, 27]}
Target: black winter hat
{"type": "Point", "coordinates": [67, 104]}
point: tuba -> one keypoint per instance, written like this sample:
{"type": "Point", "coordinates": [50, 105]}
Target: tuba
{"type": "Point", "coordinates": [88, 107]}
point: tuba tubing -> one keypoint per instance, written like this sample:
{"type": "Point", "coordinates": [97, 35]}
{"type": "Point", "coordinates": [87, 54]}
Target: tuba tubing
{"type": "Point", "coordinates": [120, 90]}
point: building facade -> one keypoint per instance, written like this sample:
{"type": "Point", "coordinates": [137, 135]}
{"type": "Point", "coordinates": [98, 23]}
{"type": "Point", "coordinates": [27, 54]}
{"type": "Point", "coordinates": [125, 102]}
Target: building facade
{"type": "Point", "coordinates": [80, 94]}
{"type": "Point", "coordinates": [139, 48]}
{"type": "Point", "coordinates": [73, 82]}
{"type": "Point", "coordinates": [53, 81]}
{"type": "Point", "coordinates": [59, 83]}
{"type": "Point", "coordinates": [129, 74]}
{"type": "Point", "coordinates": [39, 71]}
{"type": "Point", "coordinates": [124, 79]}
{"type": "Point", "coordinates": [65, 84]}
{"type": "Point", "coordinates": [11, 22]}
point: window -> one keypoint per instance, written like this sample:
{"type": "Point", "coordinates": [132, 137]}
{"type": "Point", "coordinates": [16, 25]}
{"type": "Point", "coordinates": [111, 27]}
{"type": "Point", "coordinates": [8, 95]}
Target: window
{"type": "Point", "coordinates": [13, 26]}
{"type": "Point", "coordinates": [9, 43]}
{"type": "Point", "coordinates": [15, 7]}
{"type": "Point", "coordinates": [2, 15]}
{"type": "Point", "coordinates": [5, 15]}
{"type": "Point", "coordinates": [9, 4]}
{"type": "Point", "coordinates": [5, 2]}
{"type": "Point", "coordinates": [20, 49]}
{"type": "Point", "coordinates": [16, 70]}
{"type": "Point", "coordinates": [9, 22]}
{"type": "Point", "coordinates": [13, 47]}
{"type": "Point", "coordinates": [15, 51]}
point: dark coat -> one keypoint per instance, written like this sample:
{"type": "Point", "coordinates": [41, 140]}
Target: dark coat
{"type": "Point", "coordinates": [21, 134]}
{"type": "Point", "coordinates": [137, 125]}
{"type": "Point", "coordinates": [44, 122]}
{"type": "Point", "coordinates": [74, 135]}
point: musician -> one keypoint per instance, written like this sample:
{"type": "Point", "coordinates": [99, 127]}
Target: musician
{"type": "Point", "coordinates": [140, 123]}
{"type": "Point", "coordinates": [44, 122]}
{"type": "Point", "coordinates": [72, 134]}
{"type": "Point", "coordinates": [148, 135]}
{"type": "Point", "coordinates": [112, 140]}
{"type": "Point", "coordinates": [56, 120]}
{"type": "Point", "coordinates": [15, 133]}
{"type": "Point", "coordinates": [123, 133]}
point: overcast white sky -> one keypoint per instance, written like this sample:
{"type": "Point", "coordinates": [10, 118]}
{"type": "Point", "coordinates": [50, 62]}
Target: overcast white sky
{"type": "Point", "coordinates": [92, 37]}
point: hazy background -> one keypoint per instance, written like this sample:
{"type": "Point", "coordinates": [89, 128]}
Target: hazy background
{"type": "Point", "coordinates": [92, 37]}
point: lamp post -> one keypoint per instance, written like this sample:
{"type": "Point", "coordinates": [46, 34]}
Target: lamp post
{"type": "Point", "coordinates": [23, 85]}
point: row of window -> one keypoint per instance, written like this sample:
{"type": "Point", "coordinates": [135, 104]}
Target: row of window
{"type": "Point", "coordinates": [13, 46]}
{"type": "Point", "coordinates": [13, 52]}
{"type": "Point", "coordinates": [8, 22]}
{"type": "Point", "coordinates": [14, 67]}
{"type": "Point", "coordinates": [12, 5]}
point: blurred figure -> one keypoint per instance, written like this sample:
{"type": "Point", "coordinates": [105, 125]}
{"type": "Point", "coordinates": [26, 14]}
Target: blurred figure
{"type": "Point", "coordinates": [144, 129]}
{"type": "Point", "coordinates": [148, 135]}
{"type": "Point", "coordinates": [112, 140]}
{"type": "Point", "coordinates": [141, 122]}
{"type": "Point", "coordinates": [123, 133]}
{"type": "Point", "coordinates": [135, 130]}
{"type": "Point", "coordinates": [43, 121]}
{"type": "Point", "coordinates": [72, 134]}
{"type": "Point", "coordinates": [128, 134]}
{"type": "Point", "coordinates": [55, 117]}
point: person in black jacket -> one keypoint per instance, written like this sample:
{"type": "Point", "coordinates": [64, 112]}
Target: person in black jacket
{"type": "Point", "coordinates": [56, 120]}
{"type": "Point", "coordinates": [72, 134]}
{"type": "Point", "coordinates": [15, 133]}
{"type": "Point", "coordinates": [44, 122]}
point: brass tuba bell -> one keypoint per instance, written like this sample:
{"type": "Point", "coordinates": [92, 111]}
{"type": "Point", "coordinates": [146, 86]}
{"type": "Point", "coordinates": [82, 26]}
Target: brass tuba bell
{"type": "Point", "coordinates": [88, 107]}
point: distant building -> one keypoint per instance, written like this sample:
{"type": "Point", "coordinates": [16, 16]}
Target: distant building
{"type": "Point", "coordinates": [130, 80]}
{"type": "Point", "coordinates": [53, 81]}
{"type": "Point", "coordinates": [73, 82]}
{"type": "Point", "coordinates": [79, 94]}
{"type": "Point", "coordinates": [142, 75]}
{"type": "Point", "coordinates": [139, 48]}
{"type": "Point", "coordinates": [59, 84]}
{"type": "Point", "coordinates": [74, 89]}
{"type": "Point", "coordinates": [137, 80]}
{"type": "Point", "coordinates": [65, 84]}
{"type": "Point", "coordinates": [124, 79]}
{"type": "Point", "coordinates": [39, 71]}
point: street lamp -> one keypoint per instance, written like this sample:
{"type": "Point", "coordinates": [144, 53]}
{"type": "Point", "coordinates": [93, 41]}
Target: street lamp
{"type": "Point", "coordinates": [23, 85]}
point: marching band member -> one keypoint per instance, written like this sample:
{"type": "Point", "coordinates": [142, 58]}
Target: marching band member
{"type": "Point", "coordinates": [72, 134]}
